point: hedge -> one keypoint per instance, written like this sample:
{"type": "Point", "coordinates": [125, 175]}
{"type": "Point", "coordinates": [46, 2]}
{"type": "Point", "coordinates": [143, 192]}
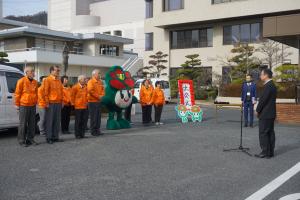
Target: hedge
{"type": "Point", "coordinates": [284, 90]}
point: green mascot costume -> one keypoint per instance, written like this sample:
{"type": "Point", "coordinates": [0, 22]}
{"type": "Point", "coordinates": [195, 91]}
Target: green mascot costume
{"type": "Point", "coordinates": [118, 97]}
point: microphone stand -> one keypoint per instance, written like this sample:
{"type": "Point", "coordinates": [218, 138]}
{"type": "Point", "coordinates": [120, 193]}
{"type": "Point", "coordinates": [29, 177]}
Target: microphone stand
{"type": "Point", "coordinates": [240, 148]}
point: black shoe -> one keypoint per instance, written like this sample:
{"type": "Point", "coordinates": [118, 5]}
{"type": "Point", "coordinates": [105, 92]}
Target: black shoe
{"type": "Point", "coordinates": [77, 137]}
{"type": "Point", "coordinates": [58, 140]}
{"type": "Point", "coordinates": [95, 134]}
{"type": "Point", "coordinates": [261, 155]}
{"type": "Point", "coordinates": [100, 133]}
{"type": "Point", "coordinates": [251, 126]}
{"type": "Point", "coordinates": [23, 144]}
{"type": "Point", "coordinates": [82, 137]}
{"type": "Point", "coordinates": [49, 141]}
{"type": "Point", "coordinates": [246, 125]}
{"type": "Point", "coordinates": [32, 142]}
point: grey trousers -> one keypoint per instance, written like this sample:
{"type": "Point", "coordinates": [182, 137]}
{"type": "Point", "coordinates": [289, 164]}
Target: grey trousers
{"type": "Point", "coordinates": [53, 115]}
{"type": "Point", "coordinates": [26, 129]}
{"type": "Point", "coordinates": [95, 117]}
{"type": "Point", "coordinates": [42, 122]}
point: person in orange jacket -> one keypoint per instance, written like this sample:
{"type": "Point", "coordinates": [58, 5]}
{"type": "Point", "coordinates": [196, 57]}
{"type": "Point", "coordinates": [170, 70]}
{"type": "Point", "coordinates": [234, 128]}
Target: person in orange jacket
{"type": "Point", "coordinates": [42, 107]}
{"type": "Point", "coordinates": [53, 92]}
{"type": "Point", "coordinates": [79, 101]}
{"type": "Point", "coordinates": [25, 101]}
{"type": "Point", "coordinates": [95, 91]}
{"type": "Point", "coordinates": [158, 100]}
{"type": "Point", "coordinates": [146, 93]}
{"type": "Point", "coordinates": [66, 110]}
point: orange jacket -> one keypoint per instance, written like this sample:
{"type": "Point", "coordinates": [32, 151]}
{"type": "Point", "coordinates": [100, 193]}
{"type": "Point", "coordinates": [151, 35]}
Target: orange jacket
{"type": "Point", "coordinates": [95, 90]}
{"type": "Point", "coordinates": [53, 90]}
{"type": "Point", "coordinates": [158, 97]}
{"type": "Point", "coordinates": [67, 95]}
{"type": "Point", "coordinates": [79, 96]}
{"type": "Point", "coordinates": [146, 95]}
{"type": "Point", "coordinates": [41, 97]}
{"type": "Point", "coordinates": [26, 92]}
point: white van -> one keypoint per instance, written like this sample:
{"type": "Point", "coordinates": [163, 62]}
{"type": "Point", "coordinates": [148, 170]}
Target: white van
{"type": "Point", "coordinates": [165, 87]}
{"type": "Point", "coordinates": [9, 76]}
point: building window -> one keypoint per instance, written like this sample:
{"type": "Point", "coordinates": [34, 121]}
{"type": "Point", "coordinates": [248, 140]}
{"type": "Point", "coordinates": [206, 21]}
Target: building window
{"type": "Point", "coordinates": [109, 50]}
{"type": "Point", "coordinates": [149, 8]}
{"type": "Point", "coordinates": [149, 42]}
{"type": "Point", "coordinates": [107, 32]}
{"type": "Point", "coordinates": [118, 33]}
{"type": "Point", "coordinates": [226, 75]}
{"type": "Point", "coordinates": [169, 5]}
{"type": "Point", "coordinates": [244, 33]}
{"type": "Point", "coordinates": [192, 38]}
{"type": "Point", "coordinates": [256, 32]}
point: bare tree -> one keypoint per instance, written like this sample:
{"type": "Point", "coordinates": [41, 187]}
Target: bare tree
{"type": "Point", "coordinates": [275, 53]}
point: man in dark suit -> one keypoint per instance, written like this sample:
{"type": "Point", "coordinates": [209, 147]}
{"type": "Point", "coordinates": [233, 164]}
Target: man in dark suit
{"type": "Point", "coordinates": [248, 98]}
{"type": "Point", "coordinates": [266, 112]}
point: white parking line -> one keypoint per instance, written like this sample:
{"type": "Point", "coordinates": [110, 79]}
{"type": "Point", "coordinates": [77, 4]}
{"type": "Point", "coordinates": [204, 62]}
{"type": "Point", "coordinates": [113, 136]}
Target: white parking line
{"type": "Point", "coordinates": [276, 183]}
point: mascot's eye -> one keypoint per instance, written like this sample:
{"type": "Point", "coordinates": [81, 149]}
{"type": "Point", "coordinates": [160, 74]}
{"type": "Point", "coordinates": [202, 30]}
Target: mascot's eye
{"type": "Point", "coordinates": [122, 95]}
{"type": "Point", "coordinates": [129, 95]}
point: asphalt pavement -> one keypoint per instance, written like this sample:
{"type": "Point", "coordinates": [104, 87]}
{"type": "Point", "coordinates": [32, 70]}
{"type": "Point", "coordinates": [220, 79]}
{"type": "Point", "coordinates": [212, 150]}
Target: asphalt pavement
{"type": "Point", "coordinates": [174, 161]}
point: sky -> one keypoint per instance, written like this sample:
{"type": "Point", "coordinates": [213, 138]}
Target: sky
{"type": "Point", "coordinates": [23, 7]}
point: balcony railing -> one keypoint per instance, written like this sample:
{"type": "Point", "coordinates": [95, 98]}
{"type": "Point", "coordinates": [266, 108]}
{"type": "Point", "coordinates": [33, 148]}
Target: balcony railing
{"type": "Point", "coordinates": [56, 51]}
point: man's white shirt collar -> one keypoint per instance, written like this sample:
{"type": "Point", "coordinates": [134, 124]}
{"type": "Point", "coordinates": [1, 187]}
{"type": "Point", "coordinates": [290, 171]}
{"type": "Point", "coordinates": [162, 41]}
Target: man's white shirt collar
{"type": "Point", "coordinates": [267, 81]}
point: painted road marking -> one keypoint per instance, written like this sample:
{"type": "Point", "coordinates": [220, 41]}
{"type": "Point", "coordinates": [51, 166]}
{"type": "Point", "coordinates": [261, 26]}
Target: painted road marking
{"type": "Point", "coordinates": [276, 183]}
{"type": "Point", "coordinates": [291, 197]}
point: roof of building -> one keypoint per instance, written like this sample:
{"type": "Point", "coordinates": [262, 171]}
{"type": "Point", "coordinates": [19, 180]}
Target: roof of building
{"type": "Point", "coordinates": [45, 32]}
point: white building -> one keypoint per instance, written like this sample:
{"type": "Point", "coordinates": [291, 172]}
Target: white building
{"type": "Point", "coordinates": [115, 17]}
{"type": "Point", "coordinates": [41, 47]}
{"type": "Point", "coordinates": [209, 28]}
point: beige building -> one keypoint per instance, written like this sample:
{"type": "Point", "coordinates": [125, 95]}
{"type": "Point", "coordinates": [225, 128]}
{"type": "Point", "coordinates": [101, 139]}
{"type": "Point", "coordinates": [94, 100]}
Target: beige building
{"type": "Point", "coordinates": [209, 28]}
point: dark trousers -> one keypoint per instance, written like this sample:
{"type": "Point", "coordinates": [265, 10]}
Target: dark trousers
{"type": "Point", "coordinates": [26, 129]}
{"type": "Point", "coordinates": [158, 111]}
{"type": "Point", "coordinates": [81, 118]}
{"type": "Point", "coordinates": [95, 117]}
{"type": "Point", "coordinates": [65, 118]}
{"type": "Point", "coordinates": [53, 116]}
{"type": "Point", "coordinates": [127, 113]}
{"type": "Point", "coordinates": [248, 110]}
{"type": "Point", "coordinates": [267, 136]}
{"type": "Point", "coordinates": [146, 113]}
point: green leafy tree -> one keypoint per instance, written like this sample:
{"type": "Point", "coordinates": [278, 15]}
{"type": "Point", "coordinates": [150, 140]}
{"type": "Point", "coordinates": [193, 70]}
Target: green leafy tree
{"type": "Point", "coordinates": [3, 57]}
{"type": "Point", "coordinates": [156, 65]}
{"type": "Point", "coordinates": [242, 62]}
{"type": "Point", "coordinates": [188, 69]}
{"type": "Point", "coordinates": [287, 73]}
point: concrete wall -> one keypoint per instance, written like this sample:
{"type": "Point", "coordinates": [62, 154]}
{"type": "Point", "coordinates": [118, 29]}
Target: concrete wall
{"type": "Point", "coordinates": [37, 56]}
{"type": "Point", "coordinates": [134, 30]}
{"type": "Point", "coordinates": [192, 12]}
{"type": "Point", "coordinates": [118, 11]}
{"type": "Point", "coordinates": [204, 10]}
{"type": "Point", "coordinates": [60, 14]}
